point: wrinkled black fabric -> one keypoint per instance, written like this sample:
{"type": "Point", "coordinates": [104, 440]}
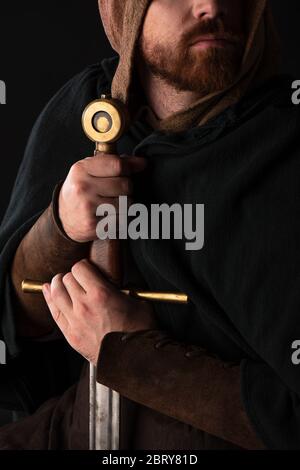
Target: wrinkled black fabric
{"type": "Point", "coordinates": [244, 166]}
{"type": "Point", "coordinates": [243, 284]}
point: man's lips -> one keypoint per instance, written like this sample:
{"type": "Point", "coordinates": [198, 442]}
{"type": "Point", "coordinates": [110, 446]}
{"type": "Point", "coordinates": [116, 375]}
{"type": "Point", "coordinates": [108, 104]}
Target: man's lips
{"type": "Point", "coordinates": [212, 41]}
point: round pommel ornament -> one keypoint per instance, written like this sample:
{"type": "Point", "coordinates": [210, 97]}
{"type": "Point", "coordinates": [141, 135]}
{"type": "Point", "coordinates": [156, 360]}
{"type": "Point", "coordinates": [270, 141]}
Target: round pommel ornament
{"type": "Point", "coordinates": [104, 122]}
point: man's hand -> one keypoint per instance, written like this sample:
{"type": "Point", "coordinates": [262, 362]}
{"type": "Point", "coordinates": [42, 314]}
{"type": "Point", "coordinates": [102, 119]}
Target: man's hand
{"type": "Point", "coordinates": [86, 307]}
{"type": "Point", "coordinates": [91, 182]}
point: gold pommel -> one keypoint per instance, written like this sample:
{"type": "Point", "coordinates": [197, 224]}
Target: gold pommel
{"type": "Point", "coordinates": [104, 121]}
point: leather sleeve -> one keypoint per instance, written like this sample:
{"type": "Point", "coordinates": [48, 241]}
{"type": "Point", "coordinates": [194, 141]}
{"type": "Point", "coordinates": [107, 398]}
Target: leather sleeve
{"type": "Point", "coordinates": [177, 380]}
{"type": "Point", "coordinates": [44, 252]}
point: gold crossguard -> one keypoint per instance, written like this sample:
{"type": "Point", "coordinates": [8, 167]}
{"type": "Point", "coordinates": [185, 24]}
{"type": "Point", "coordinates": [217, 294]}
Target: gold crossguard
{"type": "Point", "coordinates": [35, 287]}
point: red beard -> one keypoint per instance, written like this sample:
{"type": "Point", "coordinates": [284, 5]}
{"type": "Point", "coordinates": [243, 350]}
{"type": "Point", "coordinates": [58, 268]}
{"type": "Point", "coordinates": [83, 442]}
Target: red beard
{"type": "Point", "coordinates": [188, 68]}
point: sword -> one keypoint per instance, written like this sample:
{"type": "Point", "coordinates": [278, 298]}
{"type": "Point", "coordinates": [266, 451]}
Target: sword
{"type": "Point", "coordinates": [104, 121]}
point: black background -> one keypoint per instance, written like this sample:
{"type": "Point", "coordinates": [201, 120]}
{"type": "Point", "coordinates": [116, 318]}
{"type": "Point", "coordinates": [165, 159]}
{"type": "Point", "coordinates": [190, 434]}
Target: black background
{"type": "Point", "coordinates": [43, 44]}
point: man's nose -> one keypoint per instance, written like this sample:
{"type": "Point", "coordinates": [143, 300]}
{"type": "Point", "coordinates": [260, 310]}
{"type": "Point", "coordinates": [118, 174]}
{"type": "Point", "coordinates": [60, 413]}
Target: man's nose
{"type": "Point", "coordinates": [208, 9]}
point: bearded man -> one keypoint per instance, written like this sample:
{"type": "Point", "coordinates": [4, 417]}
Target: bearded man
{"type": "Point", "coordinates": [211, 122]}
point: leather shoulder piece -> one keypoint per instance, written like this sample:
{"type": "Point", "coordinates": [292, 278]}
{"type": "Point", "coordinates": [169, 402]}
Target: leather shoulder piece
{"type": "Point", "coordinates": [178, 380]}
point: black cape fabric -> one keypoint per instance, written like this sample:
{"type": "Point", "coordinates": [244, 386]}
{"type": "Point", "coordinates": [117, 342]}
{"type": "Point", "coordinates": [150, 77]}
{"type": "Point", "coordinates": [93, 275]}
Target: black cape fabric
{"type": "Point", "coordinates": [244, 166]}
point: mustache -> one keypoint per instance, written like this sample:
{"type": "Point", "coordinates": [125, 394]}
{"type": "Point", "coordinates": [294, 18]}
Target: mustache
{"type": "Point", "coordinates": [212, 27]}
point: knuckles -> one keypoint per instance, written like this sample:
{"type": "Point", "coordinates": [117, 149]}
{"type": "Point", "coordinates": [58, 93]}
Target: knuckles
{"type": "Point", "coordinates": [79, 188]}
{"type": "Point", "coordinates": [82, 311]}
{"type": "Point", "coordinates": [75, 339]}
{"type": "Point", "coordinates": [99, 295]}
{"type": "Point", "coordinates": [76, 170]}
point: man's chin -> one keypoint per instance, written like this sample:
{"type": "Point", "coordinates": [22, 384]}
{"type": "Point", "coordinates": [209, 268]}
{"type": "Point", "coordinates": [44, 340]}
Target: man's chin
{"type": "Point", "coordinates": [204, 81]}
{"type": "Point", "coordinates": [210, 73]}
